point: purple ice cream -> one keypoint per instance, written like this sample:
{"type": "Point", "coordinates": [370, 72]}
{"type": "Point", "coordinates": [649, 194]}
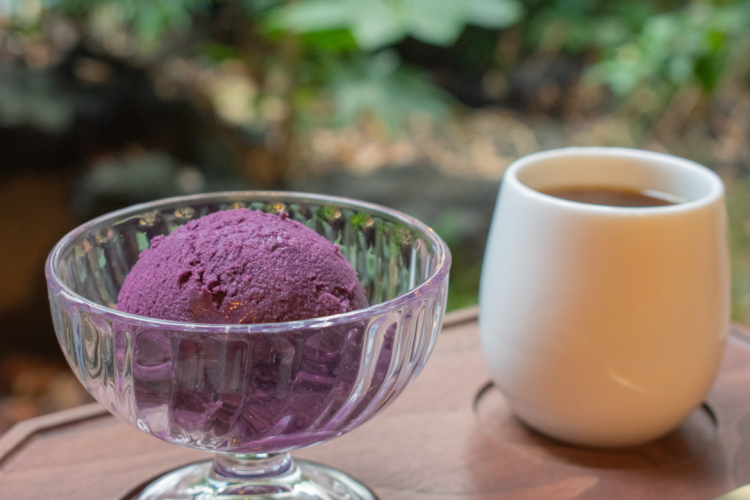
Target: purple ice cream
{"type": "Point", "coordinates": [241, 266]}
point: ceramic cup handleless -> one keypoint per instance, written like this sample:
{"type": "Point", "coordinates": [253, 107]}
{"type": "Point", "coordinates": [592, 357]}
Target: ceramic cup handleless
{"type": "Point", "coordinates": [604, 326]}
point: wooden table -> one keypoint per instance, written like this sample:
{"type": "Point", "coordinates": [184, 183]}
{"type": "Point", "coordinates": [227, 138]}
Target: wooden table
{"type": "Point", "coordinates": [449, 436]}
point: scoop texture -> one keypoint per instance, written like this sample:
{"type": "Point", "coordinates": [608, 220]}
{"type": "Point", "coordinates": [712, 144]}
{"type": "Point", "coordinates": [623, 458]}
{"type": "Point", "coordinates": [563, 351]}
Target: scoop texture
{"type": "Point", "coordinates": [241, 266]}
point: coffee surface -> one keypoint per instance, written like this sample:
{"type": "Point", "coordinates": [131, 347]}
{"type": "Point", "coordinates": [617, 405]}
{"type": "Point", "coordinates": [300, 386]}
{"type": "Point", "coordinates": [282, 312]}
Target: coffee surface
{"type": "Point", "coordinates": [613, 196]}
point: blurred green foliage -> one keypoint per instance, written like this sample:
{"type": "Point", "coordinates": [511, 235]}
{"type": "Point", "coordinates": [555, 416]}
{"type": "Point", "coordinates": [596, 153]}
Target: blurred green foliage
{"type": "Point", "coordinates": [331, 48]}
{"type": "Point", "coordinates": [580, 26]}
{"type": "Point", "coordinates": [151, 19]}
{"type": "Point", "coordinates": [275, 68]}
{"type": "Point", "coordinates": [695, 44]}
{"type": "Point", "coordinates": [637, 43]}
{"type": "Point", "coordinates": [339, 50]}
{"type": "Point", "coordinates": [625, 45]}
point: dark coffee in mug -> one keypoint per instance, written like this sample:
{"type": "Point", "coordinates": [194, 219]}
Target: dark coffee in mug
{"type": "Point", "coordinates": [614, 196]}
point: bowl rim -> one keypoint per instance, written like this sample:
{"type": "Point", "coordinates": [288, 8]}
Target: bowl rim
{"type": "Point", "coordinates": [438, 276]}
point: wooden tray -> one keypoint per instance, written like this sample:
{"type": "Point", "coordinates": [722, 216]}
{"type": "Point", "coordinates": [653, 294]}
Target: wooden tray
{"type": "Point", "coordinates": [450, 436]}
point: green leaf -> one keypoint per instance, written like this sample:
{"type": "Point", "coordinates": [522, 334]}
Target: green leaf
{"type": "Point", "coordinates": [376, 24]}
{"type": "Point", "coordinates": [438, 25]}
{"type": "Point", "coordinates": [258, 6]}
{"type": "Point", "coordinates": [715, 40]}
{"type": "Point", "coordinates": [336, 41]}
{"type": "Point", "coordinates": [218, 52]}
{"type": "Point", "coordinates": [380, 87]}
{"type": "Point", "coordinates": [681, 68]}
{"type": "Point", "coordinates": [314, 15]}
{"type": "Point", "coordinates": [383, 64]}
{"type": "Point", "coordinates": [494, 13]}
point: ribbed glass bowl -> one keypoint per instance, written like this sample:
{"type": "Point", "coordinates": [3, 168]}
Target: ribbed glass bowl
{"type": "Point", "coordinates": [251, 393]}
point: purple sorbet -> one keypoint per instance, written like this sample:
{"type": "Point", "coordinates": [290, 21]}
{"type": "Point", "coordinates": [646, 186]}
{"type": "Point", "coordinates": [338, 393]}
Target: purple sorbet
{"type": "Point", "coordinates": [241, 266]}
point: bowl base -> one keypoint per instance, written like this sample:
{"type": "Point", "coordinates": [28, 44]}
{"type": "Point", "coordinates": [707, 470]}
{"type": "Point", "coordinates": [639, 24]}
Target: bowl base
{"type": "Point", "coordinates": [305, 480]}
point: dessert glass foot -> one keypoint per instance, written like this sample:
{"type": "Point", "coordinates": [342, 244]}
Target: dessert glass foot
{"type": "Point", "coordinates": [251, 393]}
{"type": "Point", "coordinates": [238, 477]}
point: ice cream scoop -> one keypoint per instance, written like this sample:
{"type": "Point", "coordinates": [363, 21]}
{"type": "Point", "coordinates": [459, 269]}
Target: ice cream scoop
{"type": "Point", "coordinates": [241, 266]}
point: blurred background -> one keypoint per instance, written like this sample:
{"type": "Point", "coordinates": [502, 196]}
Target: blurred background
{"type": "Point", "coordinates": [418, 105]}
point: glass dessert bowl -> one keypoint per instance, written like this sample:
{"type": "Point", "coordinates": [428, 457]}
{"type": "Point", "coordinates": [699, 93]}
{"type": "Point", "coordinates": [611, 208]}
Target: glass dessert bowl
{"type": "Point", "coordinates": [251, 393]}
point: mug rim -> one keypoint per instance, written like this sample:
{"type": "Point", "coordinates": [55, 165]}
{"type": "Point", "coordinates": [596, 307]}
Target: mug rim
{"type": "Point", "coordinates": [715, 193]}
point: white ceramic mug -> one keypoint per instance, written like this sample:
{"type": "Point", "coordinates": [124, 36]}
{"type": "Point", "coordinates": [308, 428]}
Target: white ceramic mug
{"type": "Point", "coordinates": [604, 326]}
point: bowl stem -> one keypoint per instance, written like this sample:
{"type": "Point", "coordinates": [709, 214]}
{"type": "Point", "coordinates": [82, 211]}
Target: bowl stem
{"type": "Point", "coordinates": [228, 466]}
{"type": "Point", "coordinates": [263, 476]}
